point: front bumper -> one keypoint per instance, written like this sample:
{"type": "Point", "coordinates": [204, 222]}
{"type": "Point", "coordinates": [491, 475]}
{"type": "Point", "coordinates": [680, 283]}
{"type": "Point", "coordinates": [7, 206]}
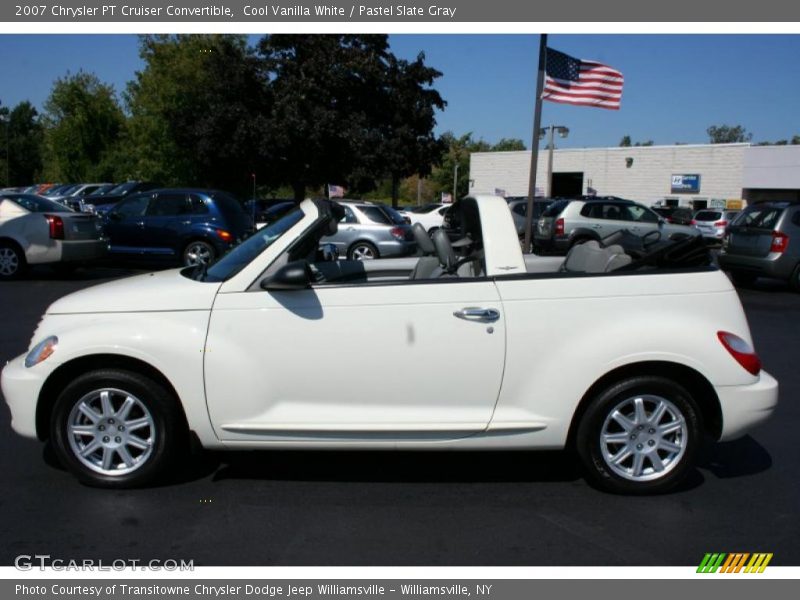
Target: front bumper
{"type": "Point", "coordinates": [745, 406]}
{"type": "Point", "coordinates": [21, 387]}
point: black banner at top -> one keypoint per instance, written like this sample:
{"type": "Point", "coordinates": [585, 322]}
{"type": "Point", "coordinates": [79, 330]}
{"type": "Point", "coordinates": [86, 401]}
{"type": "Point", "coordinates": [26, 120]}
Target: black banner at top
{"type": "Point", "coordinates": [409, 11]}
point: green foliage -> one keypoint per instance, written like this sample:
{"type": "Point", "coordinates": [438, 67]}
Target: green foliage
{"type": "Point", "coordinates": [509, 145]}
{"type": "Point", "coordinates": [458, 151]}
{"type": "Point", "coordinates": [83, 121]}
{"type": "Point", "coordinates": [24, 144]}
{"type": "Point", "coordinates": [195, 112]}
{"type": "Point", "coordinates": [728, 134]}
{"type": "Point", "coordinates": [625, 142]}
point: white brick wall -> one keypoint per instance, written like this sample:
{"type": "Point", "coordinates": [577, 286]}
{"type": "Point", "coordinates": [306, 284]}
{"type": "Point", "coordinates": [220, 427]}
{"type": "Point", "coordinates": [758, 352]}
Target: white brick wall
{"type": "Point", "coordinates": [720, 167]}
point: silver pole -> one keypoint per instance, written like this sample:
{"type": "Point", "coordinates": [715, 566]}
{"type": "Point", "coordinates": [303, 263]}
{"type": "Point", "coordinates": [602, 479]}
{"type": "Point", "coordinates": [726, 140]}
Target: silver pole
{"type": "Point", "coordinates": [537, 123]}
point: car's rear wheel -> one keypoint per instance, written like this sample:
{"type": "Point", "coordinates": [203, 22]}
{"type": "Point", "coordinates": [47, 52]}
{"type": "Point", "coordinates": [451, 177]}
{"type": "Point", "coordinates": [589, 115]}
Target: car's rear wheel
{"type": "Point", "coordinates": [363, 251]}
{"type": "Point", "coordinates": [116, 429]}
{"type": "Point", "coordinates": [742, 278]}
{"type": "Point", "coordinates": [198, 252]}
{"type": "Point", "coordinates": [12, 261]}
{"type": "Point", "coordinates": [639, 436]}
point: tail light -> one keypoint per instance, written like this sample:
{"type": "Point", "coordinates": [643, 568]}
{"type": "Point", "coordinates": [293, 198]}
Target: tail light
{"type": "Point", "coordinates": [694, 222]}
{"type": "Point", "coordinates": [741, 351]}
{"type": "Point", "coordinates": [779, 241]}
{"type": "Point", "coordinates": [398, 233]}
{"type": "Point", "coordinates": [721, 224]}
{"type": "Point", "coordinates": [56, 224]}
{"type": "Point", "coordinates": [225, 236]}
{"type": "Point", "coordinates": [559, 226]}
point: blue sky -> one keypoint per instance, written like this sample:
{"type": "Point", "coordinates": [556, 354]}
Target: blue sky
{"type": "Point", "coordinates": [675, 85]}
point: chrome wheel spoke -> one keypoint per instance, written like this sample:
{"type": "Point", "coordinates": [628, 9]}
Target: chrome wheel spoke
{"type": "Point", "coordinates": [138, 443]}
{"type": "Point", "coordinates": [658, 413]}
{"type": "Point", "coordinates": [89, 412]}
{"type": "Point", "coordinates": [623, 421]}
{"type": "Point", "coordinates": [621, 456]}
{"type": "Point", "coordinates": [90, 449]}
{"type": "Point", "coordinates": [125, 456]}
{"type": "Point", "coordinates": [125, 409]}
{"type": "Point", "coordinates": [640, 412]}
{"type": "Point", "coordinates": [137, 424]}
{"type": "Point", "coordinates": [655, 460]}
{"type": "Point", "coordinates": [105, 402]}
{"type": "Point", "coordinates": [670, 427]}
{"type": "Point", "coordinates": [615, 438]}
{"type": "Point", "coordinates": [669, 447]}
{"type": "Point", "coordinates": [638, 464]}
{"type": "Point", "coordinates": [108, 458]}
{"type": "Point", "coordinates": [82, 430]}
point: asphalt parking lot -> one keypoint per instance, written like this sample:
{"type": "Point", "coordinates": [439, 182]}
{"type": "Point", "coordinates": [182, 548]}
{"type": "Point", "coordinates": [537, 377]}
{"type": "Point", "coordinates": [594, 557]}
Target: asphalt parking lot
{"type": "Point", "coordinates": [372, 508]}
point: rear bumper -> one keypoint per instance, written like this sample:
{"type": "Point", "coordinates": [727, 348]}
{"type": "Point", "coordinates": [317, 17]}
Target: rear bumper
{"type": "Point", "coordinates": [745, 406]}
{"type": "Point", "coordinates": [559, 244]}
{"type": "Point", "coordinates": [83, 250]}
{"type": "Point", "coordinates": [396, 248]}
{"type": "Point", "coordinates": [776, 265]}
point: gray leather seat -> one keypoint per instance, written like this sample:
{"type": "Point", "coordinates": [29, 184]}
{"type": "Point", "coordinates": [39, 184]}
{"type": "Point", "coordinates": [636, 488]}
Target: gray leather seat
{"type": "Point", "coordinates": [428, 263]}
{"type": "Point", "coordinates": [589, 257]}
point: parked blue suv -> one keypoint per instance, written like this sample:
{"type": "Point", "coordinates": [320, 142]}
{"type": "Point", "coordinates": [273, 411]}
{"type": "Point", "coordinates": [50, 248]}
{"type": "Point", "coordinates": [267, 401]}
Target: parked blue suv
{"type": "Point", "coordinates": [188, 226]}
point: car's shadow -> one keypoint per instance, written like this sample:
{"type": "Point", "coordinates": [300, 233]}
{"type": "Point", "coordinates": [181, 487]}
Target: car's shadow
{"type": "Point", "coordinates": [400, 467]}
{"type": "Point", "coordinates": [738, 458]}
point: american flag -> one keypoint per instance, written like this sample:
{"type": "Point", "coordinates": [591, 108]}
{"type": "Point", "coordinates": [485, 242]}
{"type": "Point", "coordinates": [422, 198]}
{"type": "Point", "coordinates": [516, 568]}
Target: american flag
{"type": "Point", "coordinates": [583, 82]}
{"type": "Point", "coordinates": [335, 191]}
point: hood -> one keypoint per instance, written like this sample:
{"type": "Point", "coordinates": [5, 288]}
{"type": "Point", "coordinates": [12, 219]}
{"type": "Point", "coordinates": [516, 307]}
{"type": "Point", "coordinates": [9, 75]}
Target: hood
{"type": "Point", "coordinates": [152, 292]}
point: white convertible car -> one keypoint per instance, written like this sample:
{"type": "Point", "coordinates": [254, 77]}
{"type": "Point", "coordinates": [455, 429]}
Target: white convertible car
{"type": "Point", "coordinates": [542, 352]}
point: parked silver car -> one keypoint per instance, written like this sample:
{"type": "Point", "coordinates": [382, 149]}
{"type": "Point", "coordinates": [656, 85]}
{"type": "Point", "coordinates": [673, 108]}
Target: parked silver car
{"type": "Point", "coordinates": [713, 222]}
{"type": "Point", "coordinates": [369, 230]}
{"type": "Point", "coordinates": [568, 222]}
{"type": "Point", "coordinates": [764, 241]}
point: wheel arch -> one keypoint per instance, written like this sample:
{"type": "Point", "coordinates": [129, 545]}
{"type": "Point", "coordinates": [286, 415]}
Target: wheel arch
{"type": "Point", "coordinates": [59, 378]}
{"type": "Point", "coordinates": [582, 234]}
{"type": "Point", "coordinates": [695, 383]}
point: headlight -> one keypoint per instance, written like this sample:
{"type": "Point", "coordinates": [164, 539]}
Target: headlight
{"type": "Point", "coordinates": [41, 351]}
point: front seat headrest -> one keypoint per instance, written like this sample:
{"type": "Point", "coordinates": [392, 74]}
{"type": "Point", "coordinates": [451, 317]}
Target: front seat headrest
{"type": "Point", "coordinates": [444, 250]}
{"type": "Point", "coordinates": [424, 241]}
{"type": "Point", "coordinates": [337, 214]}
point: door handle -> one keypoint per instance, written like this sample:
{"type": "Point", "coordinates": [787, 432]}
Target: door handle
{"type": "Point", "coordinates": [140, 223]}
{"type": "Point", "coordinates": [473, 313]}
{"type": "Point", "coordinates": [186, 222]}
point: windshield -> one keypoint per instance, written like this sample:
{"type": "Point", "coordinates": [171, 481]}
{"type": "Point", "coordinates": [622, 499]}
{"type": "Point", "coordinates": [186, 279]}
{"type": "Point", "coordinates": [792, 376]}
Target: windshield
{"type": "Point", "coordinates": [122, 188]}
{"type": "Point", "coordinates": [241, 255]}
{"type": "Point", "coordinates": [37, 204]}
{"type": "Point", "coordinates": [103, 189]}
{"type": "Point", "coordinates": [759, 216]}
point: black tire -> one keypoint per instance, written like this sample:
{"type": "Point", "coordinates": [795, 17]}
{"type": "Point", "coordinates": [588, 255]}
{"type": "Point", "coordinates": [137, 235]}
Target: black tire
{"type": "Point", "coordinates": [198, 252]}
{"type": "Point", "coordinates": [577, 241]}
{"type": "Point", "coordinates": [794, 280]}
{"type": "Point", "coordinates": [362, 251]}
{"type": "Point", "coordinates": [164, 434]}
{"type": "Point", "coordinates": [742, 278]}
{"type": "Point", "coordinates": [12, 261]}
{"type": "Point", "coordinates": [643, 444]}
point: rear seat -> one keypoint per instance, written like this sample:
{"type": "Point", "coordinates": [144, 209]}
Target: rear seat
{"type": "Point", "coordinates": [589, 257]}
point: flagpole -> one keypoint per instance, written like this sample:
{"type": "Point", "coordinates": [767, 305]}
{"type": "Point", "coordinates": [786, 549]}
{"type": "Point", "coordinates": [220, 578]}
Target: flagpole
{"type": "Point", "coordinates": [537, 122]}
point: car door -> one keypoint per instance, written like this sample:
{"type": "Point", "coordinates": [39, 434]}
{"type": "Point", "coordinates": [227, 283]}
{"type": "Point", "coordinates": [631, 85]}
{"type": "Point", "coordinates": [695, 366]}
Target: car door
{"type": "Point", "coordinates": [168, 220]}
{"type": "Point", "coordinates": [124, 224]}
{"type": "Point", "coordinates": [321, 363]}
{"type": "Point", "coordinates": [641, 219]}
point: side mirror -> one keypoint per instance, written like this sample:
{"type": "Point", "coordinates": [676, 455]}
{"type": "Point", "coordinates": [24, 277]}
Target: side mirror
{"type": "Point", "coordinates": [295, 275]}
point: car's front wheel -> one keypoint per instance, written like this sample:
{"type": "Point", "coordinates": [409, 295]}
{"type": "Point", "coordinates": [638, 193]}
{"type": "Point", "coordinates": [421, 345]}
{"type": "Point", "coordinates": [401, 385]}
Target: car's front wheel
{"type": "Point", "coordinates": [116, 429]}
{"type": "Point", "coordinates": [639, 436]}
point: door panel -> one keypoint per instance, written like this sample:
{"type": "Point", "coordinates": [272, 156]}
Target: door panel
{"type": "Point", "coordinates": [355, 362]}
{"type": "Point", "coordinates": [124, 225]}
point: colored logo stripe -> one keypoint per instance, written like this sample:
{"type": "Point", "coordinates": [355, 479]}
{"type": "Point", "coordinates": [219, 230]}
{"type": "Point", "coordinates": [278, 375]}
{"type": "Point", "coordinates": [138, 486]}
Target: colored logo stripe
{"type": "Point", "coordinates": [734, 563]}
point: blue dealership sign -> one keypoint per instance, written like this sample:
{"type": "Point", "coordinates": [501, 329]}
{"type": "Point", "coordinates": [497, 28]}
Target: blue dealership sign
{"type": "Point", "coordinates": [685, 184]}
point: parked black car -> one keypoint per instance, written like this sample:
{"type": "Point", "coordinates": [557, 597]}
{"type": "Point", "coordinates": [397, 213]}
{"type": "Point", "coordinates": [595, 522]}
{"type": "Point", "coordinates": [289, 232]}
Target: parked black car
{"type": "Point", "coordinates": [102, 203]}
{"type": "Point", "coordinates": [188, 226]}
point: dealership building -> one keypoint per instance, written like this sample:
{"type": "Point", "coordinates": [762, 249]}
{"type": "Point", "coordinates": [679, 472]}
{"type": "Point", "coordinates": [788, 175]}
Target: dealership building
{"type": "Point", "coordinates": [698, 176]}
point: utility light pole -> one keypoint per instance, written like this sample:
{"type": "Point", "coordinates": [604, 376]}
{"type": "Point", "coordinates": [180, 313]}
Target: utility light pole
{"type": "Point", "coordinates": [455, 182]}
{"type": "Point", "coordinates": [562, 132]}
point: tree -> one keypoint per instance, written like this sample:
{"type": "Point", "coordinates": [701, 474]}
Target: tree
{"type": "Point", "coordinates": [795, 140]}
{"type": "Point", "coordinates": [320, 126]}
{"type": "Point", "coordinates": [406, 117]}
{"type": "Point", "coordinates": [458, 153]}
{"type": "Point", "coordinates": [509, 145]}
{"type": "Point", "coordinates": [625, 142]}
{"type": "Point", "coordinates": [24, 144]}
{"type": "Point", "coordinates": [197, 112]}
{"type": "Point", "coordinates": [728, 134]}
{"type": "Point", "coordinates": [83, 121]}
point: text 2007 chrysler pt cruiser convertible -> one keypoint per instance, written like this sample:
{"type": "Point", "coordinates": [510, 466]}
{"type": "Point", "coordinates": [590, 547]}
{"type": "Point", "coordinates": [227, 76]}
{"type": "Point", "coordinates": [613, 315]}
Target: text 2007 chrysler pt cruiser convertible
{"type": "Point", "coordinates": [540, 352]}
